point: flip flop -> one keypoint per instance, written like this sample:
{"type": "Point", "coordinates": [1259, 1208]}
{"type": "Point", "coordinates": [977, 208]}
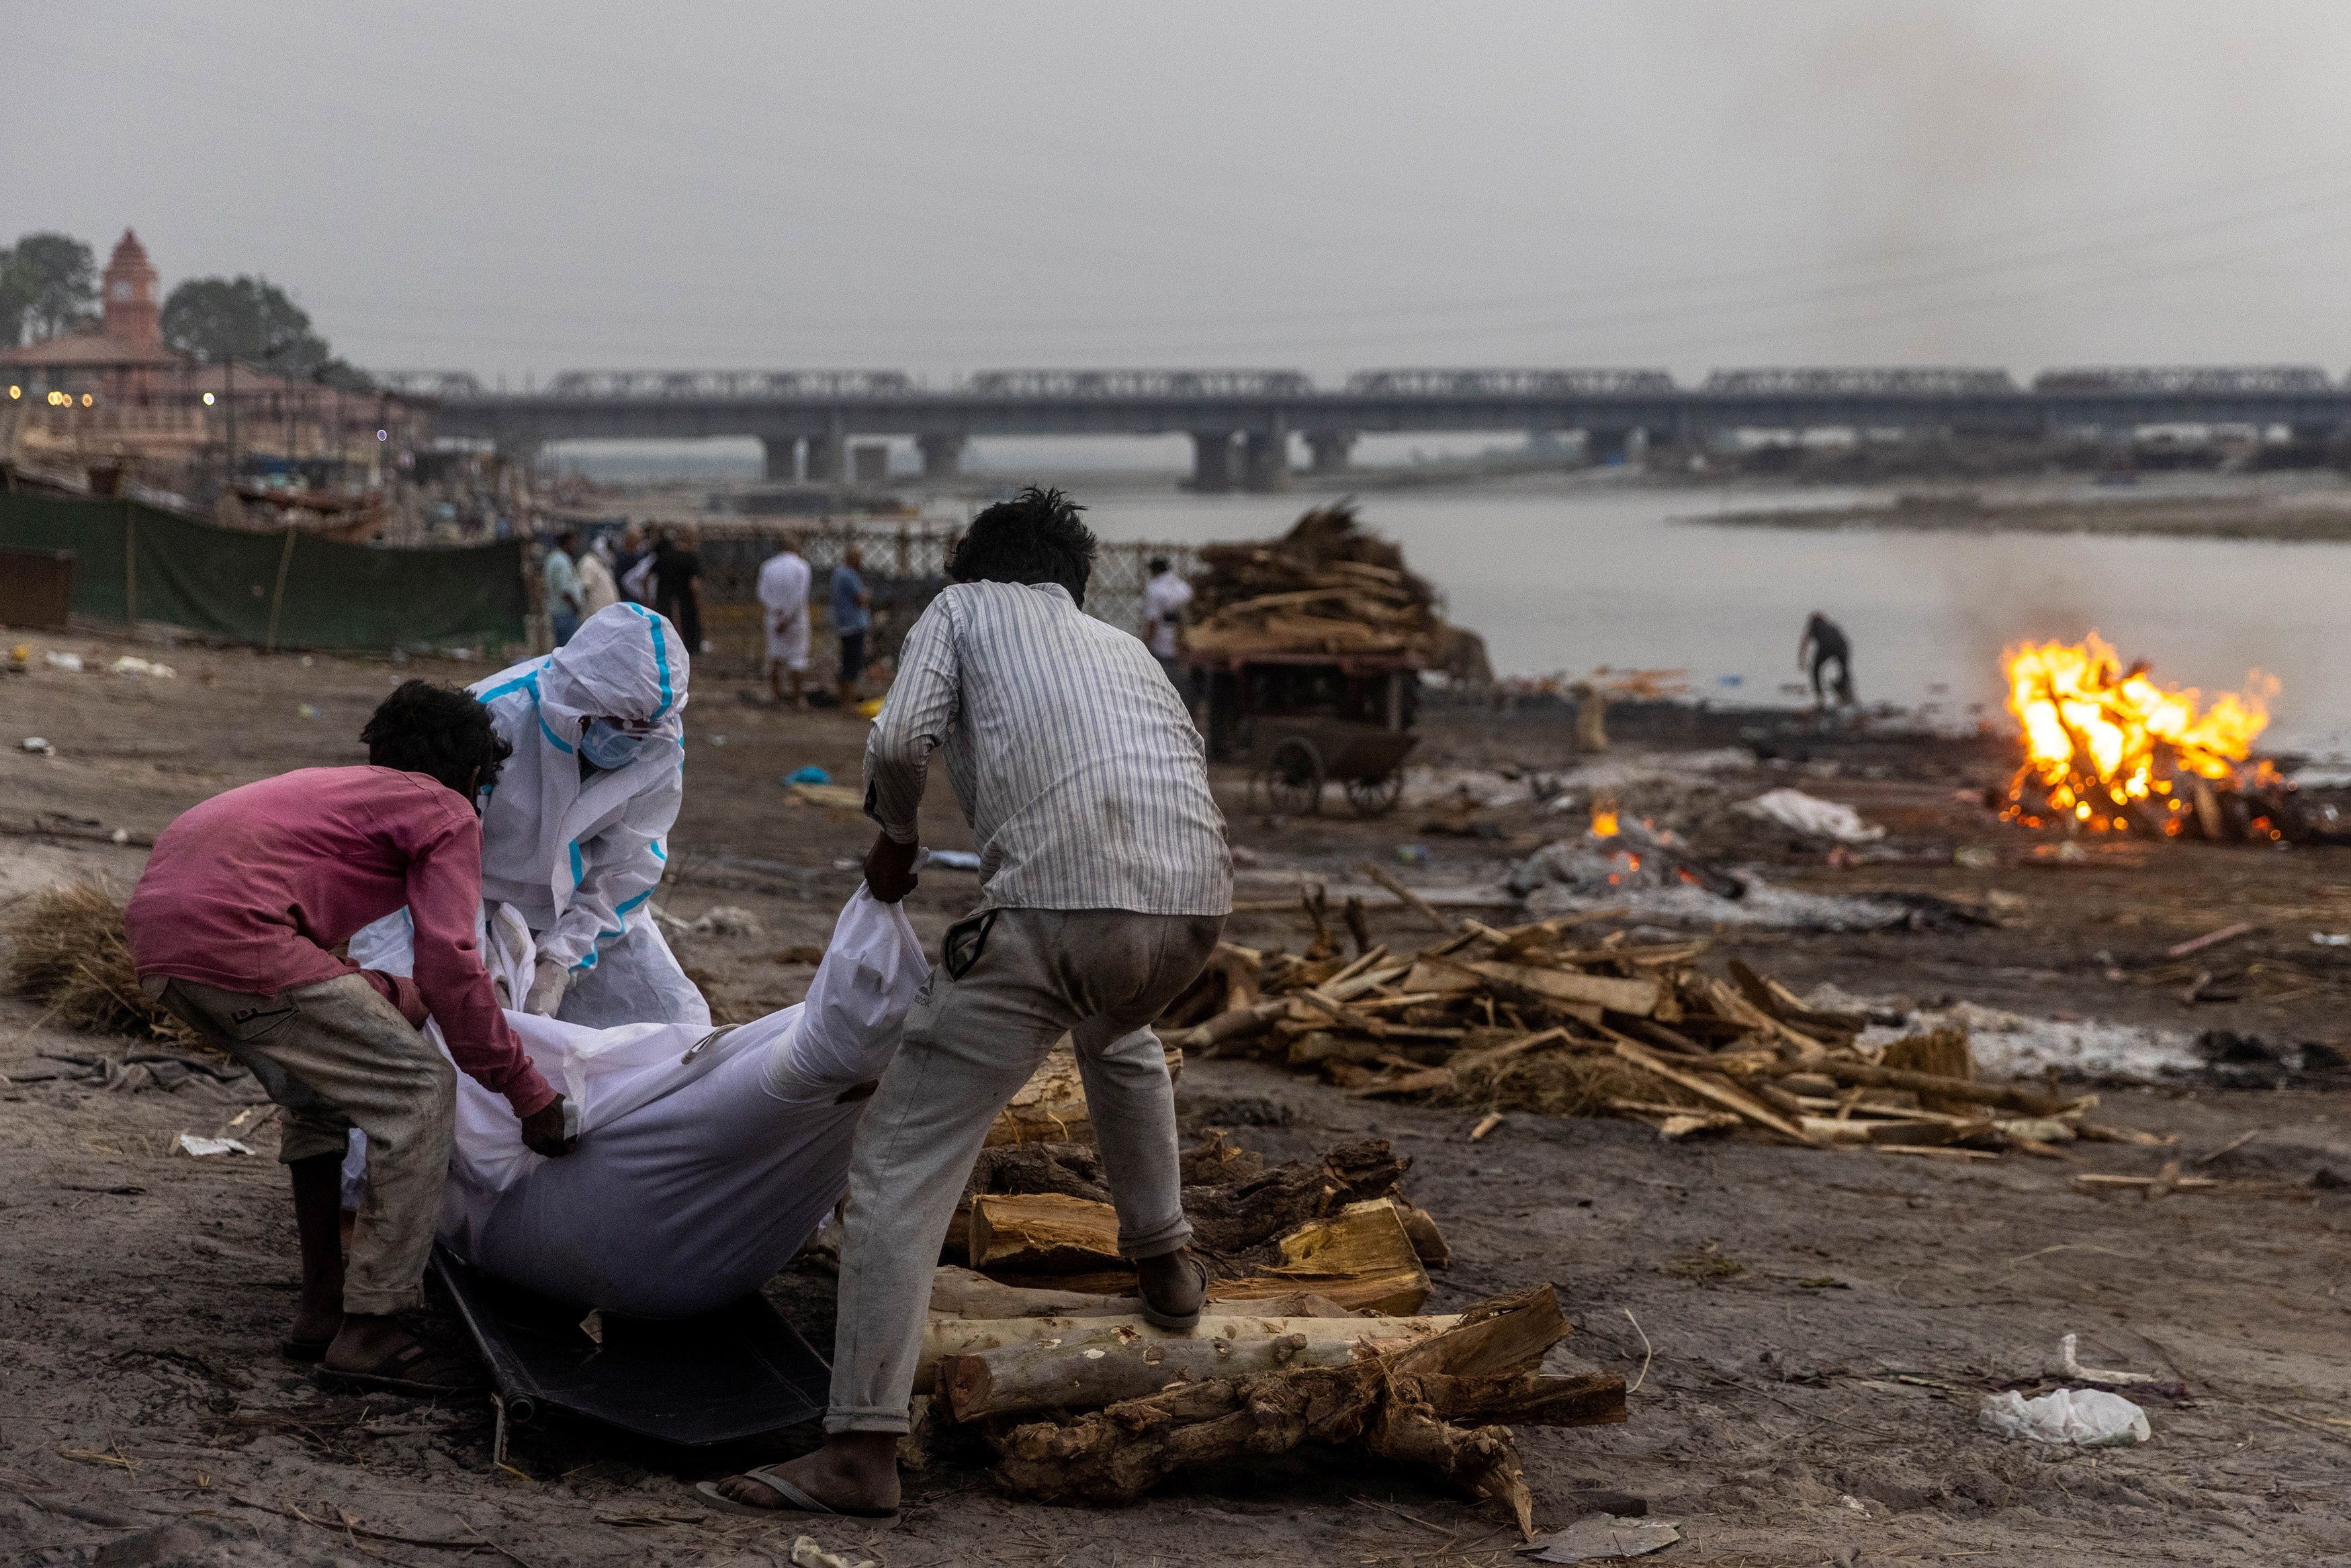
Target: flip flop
{"type": "Point", "coordinates": [1178, 1323]}
{"type": "Point", "coordinates": [391, 1376]}
{"type": "Point", "coordinates": [306, 1351]}
{"type": "Point", "coordinates": [795, 1500]}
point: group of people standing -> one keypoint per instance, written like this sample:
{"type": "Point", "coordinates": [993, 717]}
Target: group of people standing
{"type": "Point", "coordinates": [663, 576]}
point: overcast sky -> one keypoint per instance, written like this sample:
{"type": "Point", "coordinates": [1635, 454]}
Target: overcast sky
{"type": "Point", "coordinates": [518, 187]}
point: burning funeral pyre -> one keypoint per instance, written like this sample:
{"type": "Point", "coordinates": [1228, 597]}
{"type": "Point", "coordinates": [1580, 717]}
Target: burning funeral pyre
{"type": "Point", "coordinates": [2110, 751]}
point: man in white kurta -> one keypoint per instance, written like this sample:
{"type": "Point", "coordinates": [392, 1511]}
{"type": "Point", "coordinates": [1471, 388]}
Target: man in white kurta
{"type": "Point", "coordinates": [784, 595]}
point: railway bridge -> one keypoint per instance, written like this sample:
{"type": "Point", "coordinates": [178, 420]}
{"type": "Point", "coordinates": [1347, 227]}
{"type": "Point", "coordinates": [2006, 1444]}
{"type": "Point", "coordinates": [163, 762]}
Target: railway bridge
{"type": "Point", "coordinates": [1242, 422]}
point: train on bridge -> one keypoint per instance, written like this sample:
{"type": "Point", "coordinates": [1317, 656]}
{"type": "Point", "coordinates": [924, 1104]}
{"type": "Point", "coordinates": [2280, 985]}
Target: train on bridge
{"type": "Point", "coordinates": [1243, 422]}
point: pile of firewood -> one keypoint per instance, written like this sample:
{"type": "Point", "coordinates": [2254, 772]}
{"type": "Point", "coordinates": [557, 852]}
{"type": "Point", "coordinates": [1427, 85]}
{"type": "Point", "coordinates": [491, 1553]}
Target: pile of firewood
{"type": "Point", "coordinates": [1327, 587]}
{"type": "Point", "coordinates": [1038, 1361]}
{"type": "Point", "coordinates": [1534, 1018]}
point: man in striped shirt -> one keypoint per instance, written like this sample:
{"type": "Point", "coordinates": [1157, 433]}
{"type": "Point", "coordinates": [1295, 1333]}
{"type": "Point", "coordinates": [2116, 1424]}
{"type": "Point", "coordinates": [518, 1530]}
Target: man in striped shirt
{"type": "Point", "coordinates": [1107, 880]}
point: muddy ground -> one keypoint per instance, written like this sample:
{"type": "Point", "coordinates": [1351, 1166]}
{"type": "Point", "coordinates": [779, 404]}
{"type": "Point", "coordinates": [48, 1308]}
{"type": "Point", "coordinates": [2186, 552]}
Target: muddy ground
{"type": "Point", "coordinates": [1810, 1330]}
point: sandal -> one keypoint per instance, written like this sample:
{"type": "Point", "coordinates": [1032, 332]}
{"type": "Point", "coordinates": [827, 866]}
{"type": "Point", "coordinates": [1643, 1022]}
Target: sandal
{"type": "Point", "coordinates": [795, 1500]}
{"type": "Point", "coordinates": [310, 1352]}
{"type": "Point", "coordinates": [1167, 1318]}
{"type": "Point", "coordinates": [396, 1374]}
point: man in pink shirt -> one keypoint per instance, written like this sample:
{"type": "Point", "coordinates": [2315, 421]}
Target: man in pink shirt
{"type": "Point", "coordinates": [234, 927]}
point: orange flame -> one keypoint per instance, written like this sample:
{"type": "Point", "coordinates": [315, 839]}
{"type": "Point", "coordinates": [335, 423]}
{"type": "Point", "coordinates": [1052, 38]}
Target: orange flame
{"type": "Point", "coordinates": [1603, 820]}
{"type": "Point", "coordinates": [2103, 743]}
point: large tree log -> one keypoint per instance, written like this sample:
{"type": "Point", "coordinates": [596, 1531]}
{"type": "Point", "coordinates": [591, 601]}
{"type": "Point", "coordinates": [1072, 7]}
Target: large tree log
{"type": "Point", "coordinates": [1385, 1402]}
{"type": "Point", "coordinates": [1084, 1364]}
{"type": "Point", "coordinates": [1232, 1219]}
{"type": "Point", "coordinates": [1042, 1233]}
{"type": "Point", "coordinates": [1363, 1258]}
{"type": "Point", "coordinates": [960, 1293]}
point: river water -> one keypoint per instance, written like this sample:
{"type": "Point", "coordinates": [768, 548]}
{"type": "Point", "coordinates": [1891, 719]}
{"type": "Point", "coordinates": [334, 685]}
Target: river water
{"type": "Point", "coordinates": [1629, 575]}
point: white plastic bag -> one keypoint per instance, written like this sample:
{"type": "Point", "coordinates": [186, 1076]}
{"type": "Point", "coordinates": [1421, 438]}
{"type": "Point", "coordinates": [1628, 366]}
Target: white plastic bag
{"type": "Point", "coordinates": [2085, 1417]}
{"type": "Point", "coordinates": [1808, 815]}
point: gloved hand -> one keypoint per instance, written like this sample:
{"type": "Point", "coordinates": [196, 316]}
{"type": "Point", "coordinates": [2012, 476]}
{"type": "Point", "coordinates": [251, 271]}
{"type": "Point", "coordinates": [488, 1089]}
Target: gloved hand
{"type": "Point", "coordinates": [542, 1131]}
{"type": "Point", "coordinates": [546, 987]}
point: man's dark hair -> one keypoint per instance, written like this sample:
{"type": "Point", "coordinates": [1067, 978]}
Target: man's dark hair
{"type": "Point", "coordinates": [439, 732]}
{"type": "Point", "coordinates": [1035, 537]}
{"type": "Point", "coordinates": [1158, 564]}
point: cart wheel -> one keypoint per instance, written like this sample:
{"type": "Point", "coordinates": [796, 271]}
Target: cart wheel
{"type": "Point", "coordinates": [1293, 779]}
{"type": "Point", "coordinates": [1376, 798]}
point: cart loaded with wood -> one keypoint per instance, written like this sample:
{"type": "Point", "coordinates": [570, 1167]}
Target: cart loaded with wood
{"type": "Point", "coordinates": [1304, 659]}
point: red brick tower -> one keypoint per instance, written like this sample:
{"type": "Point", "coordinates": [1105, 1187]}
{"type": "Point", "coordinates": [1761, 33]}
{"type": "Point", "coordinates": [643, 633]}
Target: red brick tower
{"type": "Point", "coordinates": [133, 316]}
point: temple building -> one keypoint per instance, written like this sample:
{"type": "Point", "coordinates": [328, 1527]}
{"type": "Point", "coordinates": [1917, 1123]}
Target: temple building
{"type": "Point", "coordinates": [113, 393]}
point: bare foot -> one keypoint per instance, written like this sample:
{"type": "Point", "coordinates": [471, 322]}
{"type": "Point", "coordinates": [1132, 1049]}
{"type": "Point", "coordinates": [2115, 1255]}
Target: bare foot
{"type": "Point", "coordinates": [365, 1343]}
{"type": "Point", "coordinates": [315, 1324]}
{"type": "Point", "coordinates": [854, 1473]}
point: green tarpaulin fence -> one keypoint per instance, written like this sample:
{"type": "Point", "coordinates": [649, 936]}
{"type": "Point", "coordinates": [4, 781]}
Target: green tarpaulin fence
{"type": "Point", "coordinates": [286, 590]}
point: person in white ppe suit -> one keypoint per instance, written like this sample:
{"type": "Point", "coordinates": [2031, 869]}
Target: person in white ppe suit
{"type": "Point", "coordinates": [573, 834]}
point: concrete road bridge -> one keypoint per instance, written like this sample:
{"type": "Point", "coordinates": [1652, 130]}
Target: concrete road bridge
{"type": "Point", "coordinates": [1242, 421]}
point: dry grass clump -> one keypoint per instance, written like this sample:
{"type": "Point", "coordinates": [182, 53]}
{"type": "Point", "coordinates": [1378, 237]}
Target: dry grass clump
{"type": "Point", "coordinates": [68, 952]}
{"type": "Point", "coordinates": [1567, 1083]}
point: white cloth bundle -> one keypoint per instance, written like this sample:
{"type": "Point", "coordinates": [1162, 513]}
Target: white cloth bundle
{"type": "Point", "coordinates": [706, 1158]}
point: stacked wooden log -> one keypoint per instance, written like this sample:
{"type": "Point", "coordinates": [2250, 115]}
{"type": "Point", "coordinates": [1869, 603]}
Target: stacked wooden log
{"type": "Point", "coordinates": [1328, 587]}
{"type": "Point", "coordinates": [1037, 1351]}
{"type": "Point", "coordinates": [1537, 1017]}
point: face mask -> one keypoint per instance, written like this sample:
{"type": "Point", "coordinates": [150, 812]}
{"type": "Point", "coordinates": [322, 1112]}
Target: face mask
{"type": "Point", "coordinates": [608, 747]}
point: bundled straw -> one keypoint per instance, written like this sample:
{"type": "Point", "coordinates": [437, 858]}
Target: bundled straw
{"type": "Point", "coordinates": [68, 952]}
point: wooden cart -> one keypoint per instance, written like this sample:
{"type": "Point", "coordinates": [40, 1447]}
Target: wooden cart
{"type": "Point", "coordinates": [1306, 719]}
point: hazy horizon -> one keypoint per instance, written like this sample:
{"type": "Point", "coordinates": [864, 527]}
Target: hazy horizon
{"type": "Point", "coordinates": [942, 189]}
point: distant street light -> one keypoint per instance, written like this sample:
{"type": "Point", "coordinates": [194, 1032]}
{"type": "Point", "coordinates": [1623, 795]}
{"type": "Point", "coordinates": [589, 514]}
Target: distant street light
{"type": "Point", "coordinates": [208, 400]}
{"type": "Point", "coordinates": [14, 392]}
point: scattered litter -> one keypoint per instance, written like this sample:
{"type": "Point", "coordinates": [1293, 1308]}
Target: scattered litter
{"type": "Point", "coordinates": [306, 710]}
{"type": "Point", "coordinates": [1412, 854]}
{"type": "Point", "coordinates": [39, 746]}
{"type": "Point", "coordinates": [717, 740]}
{"type": "Point", "coordinates": [951, 860]}
{"type": "Point", "coordinates": [723, 921]}
{"type": "Point", "coordinates": [870, 709]}
{"type": "Point", "coordinates": [2069, 1367]}
{"type": "Point", "coordinates": [810, 774]}
{"type": "Point", "coordinates": [129, 665]}
{"type": "Point", "coordinates": [68, 663]}
{"type": "Point", "coordinates": [2084, 1417]}
{"type": "Point", "coordinates": [1815, 818]}
{"type": "Point", "coordinates": [808, 1554]}
{"type": "Point", "coordinates": [189, 1143]}
{"type": "Point", "coordinates": [1600, 1538]}
{"type": "Point", "coordinates": [838, 797]}
{"type": "Point", "coordinates": [2013, 1045]}
{"type": "Point", "coordinates": [2330, 939]}
{"type": "Point", "coordinates": [120, 835]}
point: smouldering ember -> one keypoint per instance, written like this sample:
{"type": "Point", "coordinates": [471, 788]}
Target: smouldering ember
{"type": "Point", "coordinates": [2114, 751]}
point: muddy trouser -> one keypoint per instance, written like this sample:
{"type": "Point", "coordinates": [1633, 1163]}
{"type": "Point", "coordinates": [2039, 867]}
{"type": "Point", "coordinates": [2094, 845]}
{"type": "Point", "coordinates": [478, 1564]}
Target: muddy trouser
{"type": "Point", "coordinates": [336, 1055]}
{"type": "Point", "coordinates": [973, 1039]}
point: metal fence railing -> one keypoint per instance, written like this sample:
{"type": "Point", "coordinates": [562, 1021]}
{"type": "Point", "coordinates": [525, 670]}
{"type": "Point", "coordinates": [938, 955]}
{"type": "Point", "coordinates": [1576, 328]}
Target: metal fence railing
{"type": "Point", "coordinates": [905, 567]}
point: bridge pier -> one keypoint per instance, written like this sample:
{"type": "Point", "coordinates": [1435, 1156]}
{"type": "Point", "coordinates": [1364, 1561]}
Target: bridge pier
{"type": "Point", "coordinates": [781, 462]}
{"type": "Point", "coordinates": [1212, 462]}
{"type": "Point", "coordinates": [1609, 447]}
{"type": "Point", "coordinates": [1265, 461]}
{"type": "Point", "coordinates": [827, 456]}
{"type": "Point", "coordinates": [1327, 451]}
{"type": "Point", "coordinates": [942, 455]}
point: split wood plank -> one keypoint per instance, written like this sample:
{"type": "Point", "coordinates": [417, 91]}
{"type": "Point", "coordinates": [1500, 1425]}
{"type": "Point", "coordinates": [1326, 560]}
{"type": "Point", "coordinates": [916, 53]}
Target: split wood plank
{"type": "Point", "coordinates": [1715, 1088]}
